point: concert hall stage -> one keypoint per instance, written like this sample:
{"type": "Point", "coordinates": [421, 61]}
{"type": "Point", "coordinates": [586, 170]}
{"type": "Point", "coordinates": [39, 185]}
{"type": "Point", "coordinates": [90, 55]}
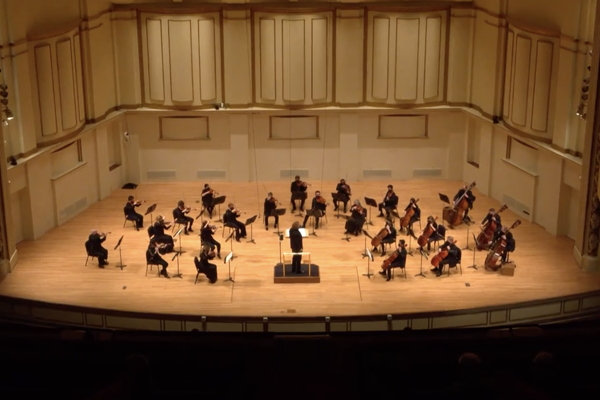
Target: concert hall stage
{"type": "Point", "coordinates": [547, 285]}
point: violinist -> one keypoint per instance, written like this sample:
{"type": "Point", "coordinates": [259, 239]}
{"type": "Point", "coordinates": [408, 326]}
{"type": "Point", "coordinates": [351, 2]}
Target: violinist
{"type": "Point", "coordinates": [180, 216]}
{"type": "Point", "coordinates": [270, 206]}
{"type": "Point", "coordinates": [203, 265]}
{"type": "Point", "coordinates": [230, 218]}
{"type": "Point", "coordinates": [207, 197]}
{"type": "Point", "coordinates": [206, 236]}
{"type": "Point", "coordinates": [390, 202]}
{"type": "Point", "coordinates": [416, 215]}
{"type": "Point", "coordinates": [318, 204]}
{"type": "Point", "coordinates": [468, 196]}
{"type": "Point", "coordinates": [398, 262]}
{"type": "Point", "coordinates": [453, 257]}
{"type": "Point", "coordinates": [95, 249]}
{"type": "Point", "coordinates": [159, 232]}
{"type": "Point", "coordinates": [298, 189]}
{"type": "Point", "coordinates": [343, 194]}
{"type": "Point", "coordinates": [356, 221]}
{"type": "Point", "coordinates": [131, 214]}
{"type": "Point", "coordinates": [504, 233]}
{"type": "Point", "coordinates": [492, 216]}
{"type": "Point", "coordinates": [390, 236]}
{"type": "Point", "coordinates": [153, 256]}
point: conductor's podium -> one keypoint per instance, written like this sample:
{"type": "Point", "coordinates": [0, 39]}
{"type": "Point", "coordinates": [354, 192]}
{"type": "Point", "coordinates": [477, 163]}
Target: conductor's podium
{"type": "Point", "coordinates": [283, 273]}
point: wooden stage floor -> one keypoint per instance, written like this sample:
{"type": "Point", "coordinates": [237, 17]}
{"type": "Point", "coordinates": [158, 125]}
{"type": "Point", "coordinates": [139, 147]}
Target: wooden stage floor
{"type": "Point", "coordinates": [52, 269]}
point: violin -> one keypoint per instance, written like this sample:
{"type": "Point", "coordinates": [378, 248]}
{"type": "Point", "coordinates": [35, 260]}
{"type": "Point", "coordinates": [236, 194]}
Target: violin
{"type": "Point", "coordinates": [138, 203]}
{"type": "Point", "coordinates": [484, 239]}
{"type": "Point", "coordinates": [386, 264]}
{"type": "Point", "coordinates": [321, 200]}
{"type": "Point", "coordinates": [443, 253]}
{"type": "Point", "coordinates": [302, 183]}
{"type": "Point", "coordinates": [427, 232]}
{"type": "Point", "coordinates": [376, 241]}
{"type": "Point", "coordinates": [495, 254]}
{"type": "Point", "coordinates": [408, 215]}
{"type": "Point", "coordinates": [274, 200]}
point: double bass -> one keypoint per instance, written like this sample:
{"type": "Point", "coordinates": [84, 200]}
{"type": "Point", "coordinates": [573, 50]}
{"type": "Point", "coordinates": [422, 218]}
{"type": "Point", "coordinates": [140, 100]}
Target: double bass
{"type": "Point", "coordinates": [495, 254]}
{"type": "Point", "coordinates": [485, 237]}
{"type": "Point", "coordinates": [454, 215]}
{"type": "Point", "coordinates": [424, 238]}
{"type": "Point", "coordinates": [409, 213]}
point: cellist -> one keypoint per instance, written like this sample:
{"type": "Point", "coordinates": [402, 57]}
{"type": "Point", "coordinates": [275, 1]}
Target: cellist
{"type": "Point", "coordinates": [390, 236]}
{"type": "Point", "coordinates": [452, 258]}
{"type": "Point", "coordinates": [399, 260]}
{"type": "Point", "coordinates": [389, 203]}
{"type": "Point", "coordinates": [431, 231]}
{"type": "Point", "coordinates": [416, 215]}
{"type": "Point", "coordinates": [468, 196]}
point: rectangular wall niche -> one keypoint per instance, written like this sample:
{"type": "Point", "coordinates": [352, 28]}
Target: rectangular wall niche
{"type": "Point", "coordinates": [522, 155]}
{"type": "Point", "coordinates": [402, 126]}
{"type": "Point", "coordinates": [294, 127]}
{"type": "Point", "coordinates": [184, 128]}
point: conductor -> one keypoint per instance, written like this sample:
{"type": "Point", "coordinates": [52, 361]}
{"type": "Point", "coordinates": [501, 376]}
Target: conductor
{"type": "Point", "coordinates": [296, 245]}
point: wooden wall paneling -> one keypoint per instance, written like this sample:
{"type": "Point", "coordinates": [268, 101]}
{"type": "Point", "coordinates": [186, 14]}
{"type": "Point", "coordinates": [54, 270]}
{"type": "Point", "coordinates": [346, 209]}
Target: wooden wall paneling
{"type": "Point", "coordinates": [542, 82]}
{"type": "Point", "coordinates": [179, 39]}
{"type": "Point", "coordinates": [154, 61]}
{"type": "Point", "coordinates": [508, 75]}
{"type": "Point", "coordinates": [79, 78]}
{"type": "Point", "coordinates": [319, 59]}
{"type": "Point", "coordinates": [207, 51]}
{"type": "Point", "coordinates": [349, 56]}
{"type": "Point", "coordinates": [293, 59]}
{"type": "Point", "coordinates": [266, 50]}
{"type": "Point", "coordinates": [237, 58]}
{"type": "Point", "coordinates": [520, 89]}
{"type": "Point", "coordinates": [433, 60]}
{"type": "Point", "coordinates": [66, 83]}
{"type": "Point", "coordinates": [45, 85]}
{"type": "Point", "coordinates": [380, 58]}
{"type": "Point", "coordinates": [406, 74]}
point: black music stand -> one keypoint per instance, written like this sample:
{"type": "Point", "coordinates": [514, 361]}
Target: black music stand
{"type": "Point", "coordinates": [230, 240]}
{"type": "Point", "coordinates": [278, 212]}
{"type": "Point", "coordinates": [336, 200]}
{"type": "Point", "coordinates": [467, 245]}
{"type": "Point", "coordinates": [371, 203]}
{"type": "Point", "coordinates": [176, 256]}
{"type": "Point", "coordinates": [217, 201]}
{"type": "Point", "coordinates": [370, 258]}
{"type": "Point", "coordinates": [250, 221]}
{"type": "Point", "coordinates": [227, 260]}
{"type": "Point", "coordinates": [178, 233]}
{"type": "Point", "coordinates": [410, 251]}
{"type": "Point", "coordinates": [445, 199]}
{"type": "Point", "coordinates": [421, 267]}
{"type": "Point", "coordinates": [474, 266]}
{"type": "Point", "coordinates": [347, 235]}
{"type": "Point", "coordinates": [299, 196]}
{"type": "Point", "coordinates": [366, 236]}
{"type": "Point", "coordinates": [150, 210]}
{"type": "Point", "coordinates": [118, 246]}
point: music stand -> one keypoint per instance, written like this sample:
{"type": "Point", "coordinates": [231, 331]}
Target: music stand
{"type": "Point", "coordinates": [445, 199]}
{"type": "Point", "coordinates": [278, 212]}
{"type": "Point", "coordinates": [227, 260]}
{"type": "Point", "coordinates": [336, 199]}
{"type": "Point", "coordinates": [369, 256]}
{"type": "Point", "coordinates": [230, 239]}
{"type": "Point", "coordinates": [217, 201]}
{"type": "Point", "coordinates": [302, 196]}
{"type": "Point", "coordinates": [176, 256]}
{"type": "Point", "coordinates": [421, 267]}
{"type": "Point", "coordinates": [474, 266]}
{"type": "Point", "coordinates": [371, 203]}
{"type": "Point", "coordinates": [467, 245]}
{"type": "Point", "coordinates": [118, 246]}
{"type": "Point", "coordinates": [347, 235]}
{"type": "Point", "coordinates": [150, 210]}
{"type": "Point", "coordinates": [250, 221]}
{"type": "Point", "coordinates": [410, 251]}
{"type": "Point", "coordinates": [366, 236]}
{"type": "Point", "coordinates": [176, 235]}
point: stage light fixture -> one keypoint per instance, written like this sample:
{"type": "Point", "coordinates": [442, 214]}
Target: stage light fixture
{"type": "Point", "coordinates": [9, 114]}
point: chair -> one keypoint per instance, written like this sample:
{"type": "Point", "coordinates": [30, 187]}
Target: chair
{"type": "Point", "coordinates": [459, 257]}
{"type": "Point", "coordinates": [227, 225]}
{"type": "Point", "coordinates": [197, 274]}
{"type": "Point", "coordinates": [151, 231]}
{"type": "Point", "coordinates": [177, 222]}
{"type": "Point", "coordinates": [129, 218]}
{"type": "Point", "coordinates": [149, 264]}
{"type": "Point", "coordinates": [88, 249]}
{"type": "Point", "coordinates": [439, 235]}
{"type": "Point", "coordinates": [403, 268]}
{"type": "Point", "coordinates": [390, 241]}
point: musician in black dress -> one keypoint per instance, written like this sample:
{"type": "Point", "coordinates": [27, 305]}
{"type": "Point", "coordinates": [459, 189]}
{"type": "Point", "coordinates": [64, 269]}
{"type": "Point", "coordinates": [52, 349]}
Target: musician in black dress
{"type": "Point", "coordinates": [159, 232]}
{"type": "Point", "coordinates": [153, 256]}
{"type": "Point", "coordinates": [180, 216]}
{"type": "Point", "coordinates": [131, 214]}
{"type": "Point", "coordinates": [270, 206]}
{"type": "Point", "coordinates": [230, 218]}
{"type": "Point", "coordinates": [468, 196]}
{"type": "Point", "coordinates": [357, 219]}
{"type": "Point", "coordinates": [206, 236]}
{"type": "Point", "coordinates": [207, 198]}
{"type": "Point", "coordinates": [399, 261]}
{"type": "Point", "coordinates": [318, 204]}
{"type": "Point", "coordinates": [298, 190]}
{"type": "Point", "coordinates": [451, 259]}
{"type": "Point", "coordinates": [297, 247]}
{"type": "Point", "coordinates": [204, 266]}
{"type": "Point", "coordinates": [415, 217]}
{"type": "Point", "coordinates": [389, 203]}
{"type": "Point", "coordinates": [505, 234]}
{"type": "Point", "coordinates": [343, 192]}
{"type": "Point", "coordinates": [94, 246]}
{"type": "Point", "coordinates": [492, 216]}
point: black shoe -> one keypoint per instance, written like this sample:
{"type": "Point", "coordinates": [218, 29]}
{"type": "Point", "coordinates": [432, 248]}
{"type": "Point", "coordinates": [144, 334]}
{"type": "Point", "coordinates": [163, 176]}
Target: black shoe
{"type": "Point", "coordinates": [219, 255]}
{"type": "Point", "coordinates": [388, 279]}
{"type": "Point", "coordinates": [434, 269]}
{"type": "Point", "coordinates": [101, 266]}
{"type": "Point", "coordinates": [382, 272]}
{"type": "Point", "coordinates": [266, 227]}
{"type": "Point", "coordinates": [213, 282]}
{"type": "Point", "coordinates": [316, 226]}
{"type": "Point", "coordinates": [383, 254]}
{"type": "Point", "coordinates": [190, 230]}
{"type": "Point", "coordinates": [164, 273]}
{"type": "Point", "coordinates": [186, 232]}
{"type": "Point", "coordinates": [439, 273]}
{"type": "Point", "coordinates": [380, 215]}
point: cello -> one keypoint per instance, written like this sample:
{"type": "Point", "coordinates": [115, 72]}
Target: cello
{"type": "Point", "coordinates": [409, 213]}
{"type": "Point", "coordinates": [485, 237]}
{"type": "Point", "coordinates": [376, 241]}
{"type": "Point", "coordinates": [388, 261]}
{"type": "Point", "coordinates": [443, 253]}
{"type": "Point", "coordinates": [454, 215]}
{"type": "Point", "coordinates": [495, 254]}
{"type": "Point", "coordinates": [429, 230]}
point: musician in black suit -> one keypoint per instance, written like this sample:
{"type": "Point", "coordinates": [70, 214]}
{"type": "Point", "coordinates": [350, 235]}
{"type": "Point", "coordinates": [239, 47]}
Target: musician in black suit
{"type": "Point", "coordinates": [389, 238]}
{"type": "Point", "coordinates": [95, 248]}
{"type": "Point", "coordinates": [153, 256]}
{"type": "Point", "coordinates": [468, 196]}
{"type": "Point", "coordinates": [510, 242]}
{"type": "Point", "coordinates": [297, 247]}
{"type": "Point", "coordinates": [206, 236]}
{"type": "Point", "coordinates": [357, 219]}
{"type": "Point", "coordinates": [230, 218]}
{"type": "Point", "coordinates": [492, 216]}
{"type": "Point", "coordinates": [343, 192]}
{"type": "Point", "coordinates": [451, 259]}
{"type": "Point", "coordinates": [318, 204]}
{"type": "Point", "coordinates": [269, 207]}
{"type": "Point", "coordinates": [399, 261]}
{"type": "Point", "coordinates": [415, 217]}
{"type": "Point", "coordinates": [203, 265]}
{"type": "Point", "coordinates": [159, 232]}
{"type": "Point", "coordinates": [131, 214]}
{"type": "Point", "coordinates": [180, 216]}
{"type": "Point", "coordinates": [298, 190]}
{"type": "Point", "coordinates": [389, 203]}
{"type": "Point", "coordinates": [207, 198]}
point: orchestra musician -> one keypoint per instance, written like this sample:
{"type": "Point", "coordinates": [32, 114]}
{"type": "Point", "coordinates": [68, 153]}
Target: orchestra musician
{"type": "Point", "coordinates": [207, 197]}
{"type": "Point", "coordinates": [357, 219]}
{"type": "Point", "coordinates": [230, 218]}
{"type": "Point", "coordinates": [94, 246]}
{"type": "Point", "coordinates": [510, 242]}
{"type": "Point", "coordinates": [390, 202]}
{"type": "Point", "coordinates": [131, 214]}
{"type": "Point", "coordinates": [451, 259]}
{"type": "Point", "coordinates": [298, 189]}
{"type": "Point", "coordinates": [318, 203]}
{"type": "Point", "coordinates": [270, 206]}
{"type": "Point", "coordinates": [389, 238]}
{"type": "Point", "coordinates": [206, 236]}
{"type": "Point", "coordinates": [180, 216]}
{"type": "Point", "coordinates": [343, 193]}
{"type": "Point", "coordinates": [153, 256]}
{"type": "Point", "coordinates": [204, 265]}
{"type": "Point", "coordinates": [492, 216]}
{"type": "Point", "coordinates": [297, 247]}
{"type": "Point", "coordinates": [415, 217]}
{"type": "Point", "coordinates": [398, 262]}
{"type": "Point", "coordinates": [468, 196]}
{"type": "Point", "coordinates": [436, 234]}
{"type": "Point", "coordinates": [159, 233]}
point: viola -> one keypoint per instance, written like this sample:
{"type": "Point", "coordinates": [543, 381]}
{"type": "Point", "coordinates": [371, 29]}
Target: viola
{"type": "Point", "coordinates": [273, 200]}
{"type": "Point", "coordinates": [424, 238]}
{"type": "Point", "coordinates": [495, 254]}
{"type": "Point", "coordinates": [386, 264]}
{"type": "Point", "coordinates": [435, 261]}
{"type": "Point", "coordinates": [484, 239]}
{"type": "Point", "coordinates": [376, 241]}
{"type": "Point", "coordinates": [409, 214]}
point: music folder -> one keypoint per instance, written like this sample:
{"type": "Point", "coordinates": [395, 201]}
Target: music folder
{"type": "Point", "coordinates": [303, 232]}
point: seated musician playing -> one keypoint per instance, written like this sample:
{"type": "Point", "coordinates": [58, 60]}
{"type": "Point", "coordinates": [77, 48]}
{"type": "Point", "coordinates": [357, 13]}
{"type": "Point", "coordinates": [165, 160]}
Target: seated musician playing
{"type": "Point", "coordinates": [389, 238]}
{"type": "Point", "coordinates": [343, 193]}
{"type": "Point", "coordinates": [415, 217]}
{"type": "Point", "coordinates": [451, 259]}
{"type": "Point", "coordinates": [468, 196]}
{"type": "Point", "coordinates": [505, 234]}
{"type": "Point", "coordinates": [389, 203]}
{"type": "Point", "coordinates": [437, 235]}
{"type": "Point", "coordinates": [206, 236]}
{"type": "Point", "coordinates": [131, 214]}
{"type": "Point", "coordinates": [207, 198]}
{"type": "Point", "coordinates": [203, 264]}
{"type": "Point", "coordinates": [95, 249]}
{"type": "Point", "coordinates": [492, 216]}
{"type": "Point", "coordinates": [159, 233]}
{"type": "Point", "coordinates": [357, 219]}
{"type": "Point", "coordinates": [230, 218]}
{"type": "Point", "coordinates": [399, 261]}
{"type": "Point", "coordinates": [270, 206]}
{"type": "Point", "coordinates": [318, 204]}
{"type": "Point", "coordinates": [298, 190]}
{"type": "Point", "coordinates": [180, 216]}
{"type": "Point", "coordinates": [153, 256]}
